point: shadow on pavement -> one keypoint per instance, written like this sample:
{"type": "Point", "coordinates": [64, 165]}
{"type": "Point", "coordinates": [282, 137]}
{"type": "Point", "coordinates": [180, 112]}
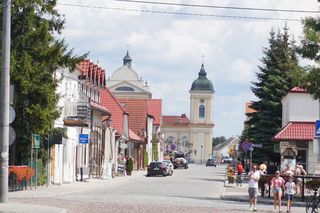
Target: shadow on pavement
{"type": "Point", "coordinates": [209, 179]}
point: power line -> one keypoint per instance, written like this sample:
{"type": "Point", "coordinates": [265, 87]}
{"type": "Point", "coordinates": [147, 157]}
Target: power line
{"type": "Point", "coordinates": [179, 13]}
{"type": "Point", "coordinates": [220, 7]}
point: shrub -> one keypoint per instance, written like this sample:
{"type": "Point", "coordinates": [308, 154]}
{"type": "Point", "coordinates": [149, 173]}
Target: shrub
{"type": "Point", "coordinates": [145, 159]}
{"type": "Point", "coordinates": [129, 165]}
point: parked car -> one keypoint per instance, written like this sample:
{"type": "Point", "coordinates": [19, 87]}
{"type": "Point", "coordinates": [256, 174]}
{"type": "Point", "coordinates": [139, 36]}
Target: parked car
{"type": "Point", "coordinates": [158, 168]}
{"type": "Point", "coordinates": [226, 159]}
{"type": "Point", "coordinates": [170, 166]}
{"type": "Point", "coordinates": [180, 162]}
{"type": "Point", "coordinates": [211, 162]}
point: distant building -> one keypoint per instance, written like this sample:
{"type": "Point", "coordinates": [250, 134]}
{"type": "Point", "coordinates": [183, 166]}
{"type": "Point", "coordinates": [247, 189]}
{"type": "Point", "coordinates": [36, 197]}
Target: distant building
{"type": "Point", "coordinates": [144, 113]}
{"type": "Point", "coordinates": [222, 149]}
{"type": "Point", "coordinates": [297, 136]}
{"type": "Point", "coordinates": [193, 136]}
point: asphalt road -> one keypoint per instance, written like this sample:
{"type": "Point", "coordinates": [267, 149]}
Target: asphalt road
{"type": "Point", "coordinates": [197, 189]}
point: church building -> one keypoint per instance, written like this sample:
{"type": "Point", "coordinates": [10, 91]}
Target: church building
{"type": "Point", "coordinates": [192, 137]}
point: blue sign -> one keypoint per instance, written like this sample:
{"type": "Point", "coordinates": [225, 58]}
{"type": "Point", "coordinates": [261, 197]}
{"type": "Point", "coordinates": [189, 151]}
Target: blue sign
{"type": "Point", "coordinates": [318, 128]}
{"type": "Point", "coordinates": [83, 138]}
{"type": "Point", "coordinates": [257, 145]}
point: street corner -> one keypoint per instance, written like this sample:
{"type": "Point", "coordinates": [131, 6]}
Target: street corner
{"type": "Point", "coordinates": [29, 208]}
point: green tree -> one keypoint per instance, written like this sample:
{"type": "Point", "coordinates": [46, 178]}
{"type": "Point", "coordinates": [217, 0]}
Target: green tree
{"type": "Point", "coordinates": [310, 49]}
{"type": "Point", "coordinates": [218, 140]}
{"type": "Point", "coordinates": [36, 53]}
{"type": "Point", "coordinates": [274, 80]}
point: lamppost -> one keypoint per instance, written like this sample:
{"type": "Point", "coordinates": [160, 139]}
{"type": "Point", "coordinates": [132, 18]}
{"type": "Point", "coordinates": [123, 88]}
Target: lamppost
{"type": "Point", "coordinates": [4, 101]}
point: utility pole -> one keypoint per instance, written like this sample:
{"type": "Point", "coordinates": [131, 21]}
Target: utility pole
{"type": "Point", "coordinates": [4, 101]}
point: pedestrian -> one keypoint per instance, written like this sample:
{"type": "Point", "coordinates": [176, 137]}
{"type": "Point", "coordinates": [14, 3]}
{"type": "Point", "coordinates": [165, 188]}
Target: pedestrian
{"type": "Point", "coordinates": [240, 170]}
{"type": "Point", "coordinates": [290, 191]}
{"type": "Point", "coordinates": [254, 176]}
{"type": "Point", "coordinates": [277, 184]}
{"type": "Point", "coordinates": [299, 171]}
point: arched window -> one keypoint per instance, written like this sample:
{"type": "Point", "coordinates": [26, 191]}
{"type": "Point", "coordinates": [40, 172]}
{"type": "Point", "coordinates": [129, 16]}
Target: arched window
{"type": "Point", "coordinates": [124, 88]}
{"type": "Point", "coordinates": [201, 111]}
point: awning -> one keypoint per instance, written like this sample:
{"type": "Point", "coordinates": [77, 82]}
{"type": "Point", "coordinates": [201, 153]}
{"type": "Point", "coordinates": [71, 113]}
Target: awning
{"type": "Point", "coordinates": [134, 137]}
{"type": "Point", "coordinates": [99, 107]}
{"type": "Point", "coordinates": [296, 131]}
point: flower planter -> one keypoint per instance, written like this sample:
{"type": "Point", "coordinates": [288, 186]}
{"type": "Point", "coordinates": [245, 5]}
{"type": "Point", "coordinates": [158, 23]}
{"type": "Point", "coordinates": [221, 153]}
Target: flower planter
{"type": "Point", "coordinates": [231, 179]}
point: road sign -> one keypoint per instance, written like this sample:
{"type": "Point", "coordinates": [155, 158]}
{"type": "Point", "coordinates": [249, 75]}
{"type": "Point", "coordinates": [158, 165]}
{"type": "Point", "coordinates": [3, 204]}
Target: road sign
{"type": "Point", "coordinates": [317, 128]}
{"type": "Point", "coordinates": [246, 145]}
{"type": "Point", "coordinates": [83, 138]}
{"type": "Point", "coordinates": [12, 114]}
{"type": "Point", "coordinates": [257, 145]}
{"type": "Point", "coordinates": [36, 139]}
{"type": "Point", "coordinates": [12, 135]}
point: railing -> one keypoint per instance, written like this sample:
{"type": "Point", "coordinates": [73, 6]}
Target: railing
{"type": "Point", "coordinates": [266, 180]}
{"type": "Point", "coordinates": [19, 178]}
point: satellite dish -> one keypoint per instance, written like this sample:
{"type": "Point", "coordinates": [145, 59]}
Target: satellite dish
{"type": "Point", "coordinates": [12, 114]}
{"type": "Point", "coordinates": [12, 135]}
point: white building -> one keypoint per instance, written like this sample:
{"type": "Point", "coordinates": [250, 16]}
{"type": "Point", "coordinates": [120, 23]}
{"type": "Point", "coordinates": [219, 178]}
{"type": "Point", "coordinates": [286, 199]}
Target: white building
{"type": "Point", "coordinates": [297, 142]}
{"type": "Point", "coordinates": [81, 113]}
{"type": "Point", "coordinates": [193, 137]}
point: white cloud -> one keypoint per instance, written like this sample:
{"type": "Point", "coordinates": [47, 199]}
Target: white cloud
{"type": "Point", "coordinates": [166, 49]}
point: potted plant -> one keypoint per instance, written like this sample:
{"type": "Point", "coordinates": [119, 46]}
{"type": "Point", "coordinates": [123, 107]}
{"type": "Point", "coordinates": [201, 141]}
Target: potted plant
{"type": "Point", "coordinates": [231, 175]}
{"type": "Point", "coordinates": [129, 166]}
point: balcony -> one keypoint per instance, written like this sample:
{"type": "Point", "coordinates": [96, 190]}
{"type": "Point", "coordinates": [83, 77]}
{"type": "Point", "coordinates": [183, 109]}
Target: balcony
{"type": "Point", "coordinates": [77, 114]}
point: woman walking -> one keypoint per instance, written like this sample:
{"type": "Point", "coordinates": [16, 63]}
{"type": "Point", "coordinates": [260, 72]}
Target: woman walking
{"type": "Point", "coordinates": [277, 184]}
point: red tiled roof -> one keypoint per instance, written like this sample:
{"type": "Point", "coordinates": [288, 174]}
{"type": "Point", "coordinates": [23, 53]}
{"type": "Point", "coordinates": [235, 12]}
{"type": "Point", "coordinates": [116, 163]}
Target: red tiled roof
{"type": "Point", "coordinates": [137, 110]}
{"type": "Point", "coordinates": [100, 108]}
{"type": "Point", "coordinates": [296, 131]}
{"type": "Point", "coordinates": [248, 107]}
{"type": "Point", "coordinates": [154, 108]}
{"type": "Point", "coordinates": [92, 72]}
{"type": "Point", "coordinates": [171, 120]}
{"type": "Point", "coordinates": [134, 136]}
{"type": "Point", "coordinates": [298, 90]}
{"type": "Point", "coordinates": [117, 111]}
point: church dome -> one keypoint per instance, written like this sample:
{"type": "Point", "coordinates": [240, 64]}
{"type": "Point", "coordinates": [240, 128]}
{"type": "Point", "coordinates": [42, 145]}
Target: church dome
{"type": "Point", "coordinates": [202, 83]}
{"type": "Point", "coordinates": [125, 72]}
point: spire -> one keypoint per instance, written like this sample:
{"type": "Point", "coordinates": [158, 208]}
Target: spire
{"type": "Point", "coordinates": [127, 60]}
{"type": "Point", "coordinates": [202, 74]}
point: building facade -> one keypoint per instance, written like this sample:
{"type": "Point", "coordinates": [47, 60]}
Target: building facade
{"type": "Point", "coordinates": [193, 136]}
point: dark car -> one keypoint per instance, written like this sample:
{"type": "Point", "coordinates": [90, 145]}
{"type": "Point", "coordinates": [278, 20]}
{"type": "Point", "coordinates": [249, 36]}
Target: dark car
{"type": "Point", "coordinates": [180, 162]}
{"type": "Point", "coordinates": [158, 168]}
{"type": "Point", "coordinates": [211, 162]}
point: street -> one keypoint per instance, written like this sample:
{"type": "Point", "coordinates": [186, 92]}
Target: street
{"type": "Point", "coordinates": [197, 189]}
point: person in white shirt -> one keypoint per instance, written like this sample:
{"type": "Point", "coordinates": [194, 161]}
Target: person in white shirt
{"type": "Point", "coordinates": [254, 176]}
{"type": "Point", "coordinates": [290, 191]}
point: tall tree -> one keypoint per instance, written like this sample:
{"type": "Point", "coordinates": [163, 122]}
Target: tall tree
{"type": "Point", "coordinates": [35, 55]}
{"type": "Point", "coordinates": [274, 80]}
{"type": "Point", "coordinates": [310, 49]}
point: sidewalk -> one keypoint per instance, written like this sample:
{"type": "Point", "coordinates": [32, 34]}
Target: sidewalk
{"type": "Point", "coordinates": [57, 190]}
{"type": "Point", "coordinates": [240, 194]}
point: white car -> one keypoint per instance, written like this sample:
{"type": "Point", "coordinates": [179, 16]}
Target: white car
{"type": "Point", "coordinates": [226, 159]}
{"type": "Point", "coordinates": [170, 166]}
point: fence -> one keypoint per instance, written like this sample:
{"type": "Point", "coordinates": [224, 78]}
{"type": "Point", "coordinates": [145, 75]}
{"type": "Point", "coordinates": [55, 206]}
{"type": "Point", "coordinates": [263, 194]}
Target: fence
{"type": "Point", "coordinates": [300, 181]}
{"type": "Point", "coordinates": [19, 178]}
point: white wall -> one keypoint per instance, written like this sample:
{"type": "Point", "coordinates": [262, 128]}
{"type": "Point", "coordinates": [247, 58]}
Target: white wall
{"type": "Point", "coordinates": [299, 107]}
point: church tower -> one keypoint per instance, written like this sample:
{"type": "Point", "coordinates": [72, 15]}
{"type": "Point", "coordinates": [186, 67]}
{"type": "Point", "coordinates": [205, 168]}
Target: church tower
{"type": "Point", "coordinates": [201, 116]}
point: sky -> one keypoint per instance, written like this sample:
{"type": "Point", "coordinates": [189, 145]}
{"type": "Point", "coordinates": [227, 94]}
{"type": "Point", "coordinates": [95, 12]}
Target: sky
{"type": "Point", "coordinates": [167, 50]}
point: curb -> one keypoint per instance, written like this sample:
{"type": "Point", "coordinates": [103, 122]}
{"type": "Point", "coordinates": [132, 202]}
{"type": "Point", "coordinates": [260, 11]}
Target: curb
{"type": "Point", "coordinates": [28, 208]}
{"type": "Point", "coordinates": [270, 202]}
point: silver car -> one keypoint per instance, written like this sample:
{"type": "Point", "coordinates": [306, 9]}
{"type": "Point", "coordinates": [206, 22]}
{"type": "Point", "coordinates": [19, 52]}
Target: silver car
{"type": "Point", "coordinates": [170, 166]}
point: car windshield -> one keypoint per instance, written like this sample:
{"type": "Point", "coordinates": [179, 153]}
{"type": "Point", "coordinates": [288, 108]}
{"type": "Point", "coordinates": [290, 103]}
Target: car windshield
{"type": "Point", "coordinates": [155, 164]}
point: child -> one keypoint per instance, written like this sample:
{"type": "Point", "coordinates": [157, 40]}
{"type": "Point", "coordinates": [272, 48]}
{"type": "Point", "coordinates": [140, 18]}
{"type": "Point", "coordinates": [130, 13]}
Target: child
{"type": "Point", "coordinates": [290, 191]}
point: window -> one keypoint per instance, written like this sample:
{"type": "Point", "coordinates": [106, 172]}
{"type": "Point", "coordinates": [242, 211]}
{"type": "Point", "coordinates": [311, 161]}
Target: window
{"type": "Point", "coordinates": [201, 111]}
{"type": "Point", "coordinates": [124, 88]}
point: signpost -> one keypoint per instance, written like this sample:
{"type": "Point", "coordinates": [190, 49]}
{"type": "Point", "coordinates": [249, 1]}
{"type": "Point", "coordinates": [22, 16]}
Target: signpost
{"type": "Point", "coordinates": [35, 144]}
{"type": "Point", "coordinates": [246, 146]}
{"type": "Point", "coordinates": [317, 134]}
{"type": "Point", "coordinates": [83, 138]}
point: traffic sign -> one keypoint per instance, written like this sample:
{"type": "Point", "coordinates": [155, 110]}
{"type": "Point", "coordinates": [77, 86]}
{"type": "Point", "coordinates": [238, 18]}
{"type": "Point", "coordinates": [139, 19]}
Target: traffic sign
{"type": "Point", "coordinates": [246, 145]}
{"type": "Point", "coordinates": [36, 139]}
{"type": "Point", "coordinates": [317, 128]}
{"type": "Point", "coordinates": [12, 135]}
{"type": "Point", "coordinates": [83, 138]}
{"type": "Point", "coordinates": [257, 145]}
{"type": "Point", "coordinates": [12, 114]}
